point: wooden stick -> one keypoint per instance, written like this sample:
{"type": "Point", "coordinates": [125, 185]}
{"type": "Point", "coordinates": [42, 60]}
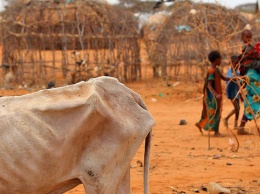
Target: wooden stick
{"type": "Point", "coordinates": [209, 140]}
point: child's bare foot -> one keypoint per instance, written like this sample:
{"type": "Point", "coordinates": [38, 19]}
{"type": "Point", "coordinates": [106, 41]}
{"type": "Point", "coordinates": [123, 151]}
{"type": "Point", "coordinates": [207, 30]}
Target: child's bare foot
{"type": "Point", "coordinates": [217, 134]}
{"type": "Point", "coordinates": [225, 122]}
{"type": "Point", "coordinates": [241, 131]}
{"type": "Point", "coordinates": [197, 125]}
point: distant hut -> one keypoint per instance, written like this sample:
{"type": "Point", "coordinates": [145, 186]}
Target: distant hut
{"type": "Point", "coordinates": [151, 30]}
{"type": "Point", "coordinates": [192, 31]}
{"type": "Point", "coordinates": [254, 26]}
{"type": "Point", "coordinates": [56, 39]}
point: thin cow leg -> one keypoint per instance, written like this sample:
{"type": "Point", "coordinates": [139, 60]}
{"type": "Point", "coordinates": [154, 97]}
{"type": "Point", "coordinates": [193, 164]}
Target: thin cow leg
{"type": "Point", "coordinates": [124, 187]}
{"type": "Point", "coordinates": [102, 185]}
{"type": "Point", "coordinates": [99, 188]}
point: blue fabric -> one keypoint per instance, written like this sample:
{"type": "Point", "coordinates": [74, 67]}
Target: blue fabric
{"type": "Point", "coordinates": [232, 87]}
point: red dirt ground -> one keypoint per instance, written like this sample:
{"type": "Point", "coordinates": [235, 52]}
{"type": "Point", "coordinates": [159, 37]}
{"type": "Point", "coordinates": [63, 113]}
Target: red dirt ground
{"type": "Point", "coordinates": [180, 159]}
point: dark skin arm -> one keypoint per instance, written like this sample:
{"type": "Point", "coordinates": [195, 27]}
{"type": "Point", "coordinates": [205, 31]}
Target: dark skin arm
{"type": "Point", "coordinates": [224, 78]}
{"type": "Point", "coordinates": [234, 79]}
{"type": "Point", "coordinates": [210, 83]}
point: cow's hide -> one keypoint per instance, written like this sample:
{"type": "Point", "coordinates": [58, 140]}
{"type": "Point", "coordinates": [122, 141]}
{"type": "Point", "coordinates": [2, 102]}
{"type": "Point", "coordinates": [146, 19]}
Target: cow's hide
{"type": "Point", "coordinates": [53, 140]}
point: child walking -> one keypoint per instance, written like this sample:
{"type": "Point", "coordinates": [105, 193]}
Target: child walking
{"type": "Point", "coordinates": [212, 100]}
{"type": "Point", "coordinates": [250, 66]}
{"type": "Point", "coordinates": [232, 91]}
{"type": "Point", "coordinates": [249, 59]}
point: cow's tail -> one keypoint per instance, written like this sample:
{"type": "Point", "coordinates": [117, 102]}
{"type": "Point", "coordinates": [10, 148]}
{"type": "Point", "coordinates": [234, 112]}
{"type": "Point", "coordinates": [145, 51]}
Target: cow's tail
{"type": "Point", "coordinates": [148, 141]}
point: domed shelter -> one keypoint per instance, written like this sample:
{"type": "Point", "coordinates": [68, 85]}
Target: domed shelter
{"type": "Point", "coordinates": [150, 32]}
{"type": "Point", "coordinates": [192, 31]}
{"type": "Point", "coordinates": [56, 39]}
{"type": "Point", "coordinates": [254, 26]}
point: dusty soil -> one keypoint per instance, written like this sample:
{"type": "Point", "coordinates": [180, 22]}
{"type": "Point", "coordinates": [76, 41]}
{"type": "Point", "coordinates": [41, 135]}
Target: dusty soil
{"type": "Point", "coordinates": [181, 161]}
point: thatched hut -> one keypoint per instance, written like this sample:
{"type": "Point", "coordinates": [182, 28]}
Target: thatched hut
{"type": "Point", "coordinates": [254, 25]}
{"type": "Point", "coordinates": [150, 32]}
{"type": "Point", "coordinates": [192, 31]}
{"type": "Point", "coordinates": [51, 40]}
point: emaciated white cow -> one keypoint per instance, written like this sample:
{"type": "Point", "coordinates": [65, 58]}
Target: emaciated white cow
{"type": "Point", "coordinates": [53, 140]}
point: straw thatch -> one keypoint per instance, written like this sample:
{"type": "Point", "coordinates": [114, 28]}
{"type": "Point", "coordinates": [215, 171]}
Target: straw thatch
{"type": "Point", "coordinates": [254, 25]}
{"type": "Point", "coordinates": [192, 31]}
{"type": "Point", "coordinates": [150, 32]}
{"type": "Point", "coordinates": [43, 40]}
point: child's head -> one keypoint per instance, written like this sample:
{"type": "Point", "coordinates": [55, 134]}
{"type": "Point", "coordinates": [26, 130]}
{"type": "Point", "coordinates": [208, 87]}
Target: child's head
{"type": "Point", "coordinates": [215, 57]}
{"type": "Point", "coordinates": [246, 36]}
{"type": "Point", "coordinates": [234, 62]}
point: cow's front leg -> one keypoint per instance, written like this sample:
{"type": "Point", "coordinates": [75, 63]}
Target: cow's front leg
{"type": "Point", "coordinates": [101, 183]}
{"type": "Point", "coordinates": [104, 188]}
{"type": "Point", "coordinates": [124, 186]}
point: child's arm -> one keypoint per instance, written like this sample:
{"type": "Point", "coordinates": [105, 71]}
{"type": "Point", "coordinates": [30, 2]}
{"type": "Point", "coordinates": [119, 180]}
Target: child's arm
{"type": "Point", "coordinates": [224, 78]}
{"type": "Point", "coordinates": [241, 98]}
{"type": "Point", "coordinates": [212, 89]}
